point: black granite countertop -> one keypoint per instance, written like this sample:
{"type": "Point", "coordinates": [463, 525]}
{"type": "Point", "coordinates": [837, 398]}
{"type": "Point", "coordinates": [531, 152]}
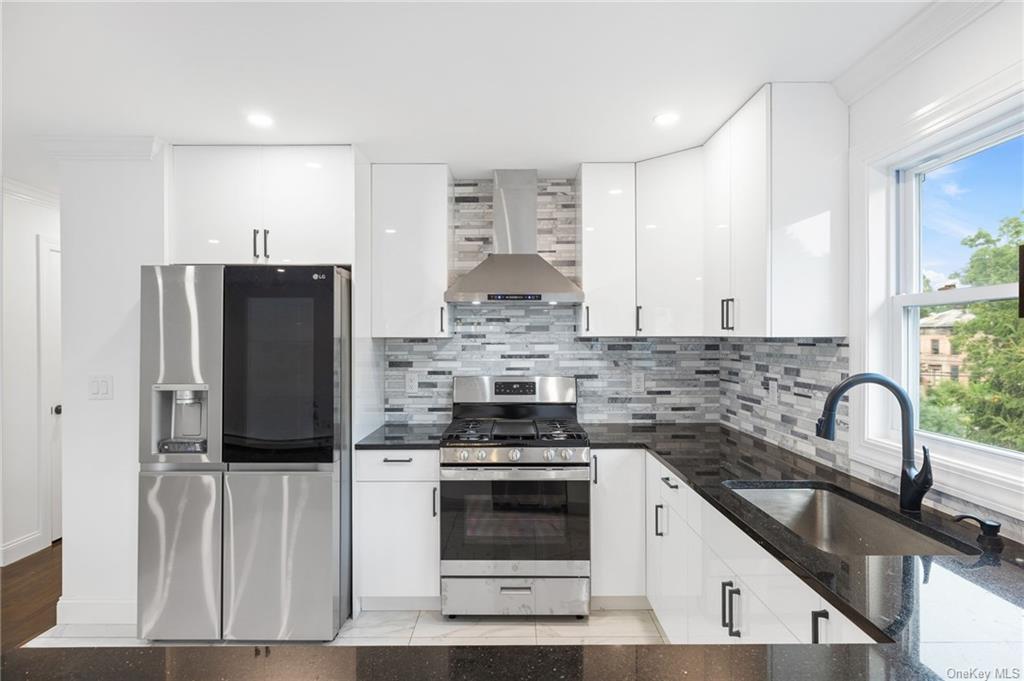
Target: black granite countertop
{"type": "Point", "coordinates": [403, 436]}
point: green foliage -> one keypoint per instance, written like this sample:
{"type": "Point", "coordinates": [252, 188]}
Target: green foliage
{"type": "Point", "coordinates": [990, 408]}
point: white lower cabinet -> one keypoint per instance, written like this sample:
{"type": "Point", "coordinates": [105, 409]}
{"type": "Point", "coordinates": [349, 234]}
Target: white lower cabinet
{"type": "Point", "coordinates": [708, 582]}
{"type": "Point", "coordinates": [397, 543]}
{"type": "Point", "coordinates": [617, 523]}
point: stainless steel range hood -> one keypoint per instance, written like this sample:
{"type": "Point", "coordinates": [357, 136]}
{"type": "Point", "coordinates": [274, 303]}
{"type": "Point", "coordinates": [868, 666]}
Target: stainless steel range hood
{"type": "Point", "coordinates": [514, 272]}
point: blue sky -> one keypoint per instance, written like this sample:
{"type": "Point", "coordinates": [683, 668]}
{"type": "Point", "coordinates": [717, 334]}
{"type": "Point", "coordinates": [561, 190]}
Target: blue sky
{"type": "Point", "coordinates": [958, 199]}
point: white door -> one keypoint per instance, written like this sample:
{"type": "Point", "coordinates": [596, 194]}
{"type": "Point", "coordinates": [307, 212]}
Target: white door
{"type": "Point", "coordinates": [48, 267]}
{"type": "Point", "coordinates": [398, 553]}
{"type": "Point", "coordinates": [308, 209]}
{"type": "Point", "coordinates": [608, 249]}
{"type": "Point", "coordinates": [216, 205]}
{"type": "Point", "coordinates": [670, 244]}
{"type": "Point", "coordinates": [717, 241]}
{"type": "Point", "coordinates": [617, 522]}
{"type": "Point", "coordinates": [749, 173]}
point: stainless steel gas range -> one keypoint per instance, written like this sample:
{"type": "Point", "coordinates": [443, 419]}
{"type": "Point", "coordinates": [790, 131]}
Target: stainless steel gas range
{"type": "Point", "coordinates": [515, 499]}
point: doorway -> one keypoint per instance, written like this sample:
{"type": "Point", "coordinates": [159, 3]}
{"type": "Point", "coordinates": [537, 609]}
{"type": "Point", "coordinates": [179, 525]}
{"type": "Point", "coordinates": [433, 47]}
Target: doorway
{"type": "Point", "coordinates": [49, 371]}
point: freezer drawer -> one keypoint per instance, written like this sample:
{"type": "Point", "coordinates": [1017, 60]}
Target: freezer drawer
{"type": "Point", "coordinates": [179, 555]}
{"type": "Point", "coordinates": [515, 596]}
{"type": "Point", "coordinates": [281, 579]}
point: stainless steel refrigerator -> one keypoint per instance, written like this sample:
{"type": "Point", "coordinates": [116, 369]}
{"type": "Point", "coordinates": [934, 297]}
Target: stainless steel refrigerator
{"type": "Point", "coordinates": [244, 452]}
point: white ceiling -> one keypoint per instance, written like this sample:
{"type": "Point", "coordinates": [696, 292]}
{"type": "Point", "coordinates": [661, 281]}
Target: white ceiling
{"type": "Point", "coordinates": [479, 86]}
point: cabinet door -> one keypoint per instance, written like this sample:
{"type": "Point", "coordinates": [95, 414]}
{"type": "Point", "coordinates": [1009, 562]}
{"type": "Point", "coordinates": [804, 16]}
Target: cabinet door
{"type": "Point", "coordinates": [670, 244]}
{"type": "Point", "coordinates": [308, 208]}
{"type": "Point", "coordinates": [409, 243]}
{"type": "Point", "coordinates": [673, 591]}
{"type": "Point", "coordinates": [398, 547]}
{"type": "Point", "coordinates": [216, 204]}
{"type": "Point", "coordinates": [706, 578]}
{"type": "Point", "coordinates": [837, 628]}
{"type": "Point", "coordinates": [753, 620]}
{"type": "Point", "coordinates": [717, 229]}
{"type": "Point", "coordinates": [617, 522]}
{"type": "Point", "coordinates": [749, 173]}
{"type": "Point", "coordinates": [654, 514]}
{"type": "Point", "coordinates": [608, 249]}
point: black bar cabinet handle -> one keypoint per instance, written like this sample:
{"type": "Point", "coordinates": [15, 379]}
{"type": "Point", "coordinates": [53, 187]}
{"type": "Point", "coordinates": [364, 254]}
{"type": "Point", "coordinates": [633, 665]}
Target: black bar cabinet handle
{"type": "Point", "coordinates": [387, 460]}
{"type": "Point", "coordinates": [595, 468]}
{"type": "Point", "coordinates": [435, 502]}
{"type": "Point", "coordinates": [266, 232]}
{"type": "Point", "coordinates": [730, 322]}
{"type": "Point", "coordinates": [668, 482]}
{"type": "Point", "coordinates": [255, 236]}
{"type": "Point", "coordinates": [725, 588]}
{"type": "Point", "coordinates": [816, 617]}
{"type": "Point", "coordinates": [442, 319]}
{"type": "Point", "coordinates": [638, 308]}
{"type": "Point", "coordinates": [586, 309]}
{"type": "Point", "coordinates": [721, 313]}
{"type": "Point", "coordinates": [657, 527]}
{"type": "Point", "coordinates": [733, 631]}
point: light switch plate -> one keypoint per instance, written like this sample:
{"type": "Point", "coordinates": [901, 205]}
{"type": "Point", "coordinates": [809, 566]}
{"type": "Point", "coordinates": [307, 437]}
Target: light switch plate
{"type": "Point", "coordinates": [412, 383]}
{"type": "Point", "coordinates": [637, 382]}
{"type": "Point", "coordinates": [101, 387]}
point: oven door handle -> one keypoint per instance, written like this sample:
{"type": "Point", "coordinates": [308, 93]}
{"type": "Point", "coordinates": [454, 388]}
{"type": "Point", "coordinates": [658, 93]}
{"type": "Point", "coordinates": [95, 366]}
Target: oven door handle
{"type": "Point", "coordinates": [453, 474]}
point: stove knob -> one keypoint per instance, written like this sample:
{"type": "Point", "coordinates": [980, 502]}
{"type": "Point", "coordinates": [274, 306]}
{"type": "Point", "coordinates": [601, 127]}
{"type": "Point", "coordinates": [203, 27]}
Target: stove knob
{"type": "Point", "coordinates": [481, 455]}
{"type": "Point", "coordinates": [514, 455]}
{"type": "Point", "coordinates": [549, 454]}
{"type": "Point", "coordinates": [566, 454]}
{"type": "Point", "coordinates": [463, 455]}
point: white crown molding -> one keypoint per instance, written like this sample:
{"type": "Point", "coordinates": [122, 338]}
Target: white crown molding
{"type": "Point", "coordinates": [101, 147]}
{"type": "Point", "coordinates": [13, 189]}
{"type": "Point", "coordinates": [924, 31]}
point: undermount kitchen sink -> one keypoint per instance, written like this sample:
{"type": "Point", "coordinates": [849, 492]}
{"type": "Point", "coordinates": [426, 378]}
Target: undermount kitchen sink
{"type": "Point", "coordinates": [838, 522]}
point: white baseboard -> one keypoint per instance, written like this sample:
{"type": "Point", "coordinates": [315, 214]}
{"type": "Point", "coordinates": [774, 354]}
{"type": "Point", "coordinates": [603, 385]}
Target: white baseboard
{"type": "Point", "coordinates": [22, 547]}
{"type": "Point", "coordinates": [400, 603]}
{"type": "Point", "coordinates": [86, 611]}
{"type": "Point", "coordinates": [619, 603]}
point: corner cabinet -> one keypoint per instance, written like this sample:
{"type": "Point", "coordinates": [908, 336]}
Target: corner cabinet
{"type": "Point", "coordinates": [410, 207]}
{"type": "Point", "coordinates": [262, 204]}
{"type": "Point", "coordinates": [775, 226]}
{"type": "Point", "coordinates": [669, 245]}
{"type": "Point", "coordinates": [607, 249]}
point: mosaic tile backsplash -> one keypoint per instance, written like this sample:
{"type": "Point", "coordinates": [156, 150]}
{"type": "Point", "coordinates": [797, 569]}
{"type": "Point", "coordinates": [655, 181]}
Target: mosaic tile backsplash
{"type": "Point", "coordinates": [680, 375]}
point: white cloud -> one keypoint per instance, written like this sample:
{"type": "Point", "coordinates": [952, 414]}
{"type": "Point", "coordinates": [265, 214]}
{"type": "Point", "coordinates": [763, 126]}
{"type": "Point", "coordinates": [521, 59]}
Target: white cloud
{"type": "Point", "coordinates": [953, 190]}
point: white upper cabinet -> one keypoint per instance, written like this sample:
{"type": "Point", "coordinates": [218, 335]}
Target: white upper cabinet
{"type": "Point", "coordinates": [409, 244]}
{"type": "Point", "coordinates": [776, 216]}
{"type": "Point", "coordinates": [669, 244]}
{"type": "Point", "coordinates": [607, 249]}
{"type": "Point", "coordinates": [287, 204]}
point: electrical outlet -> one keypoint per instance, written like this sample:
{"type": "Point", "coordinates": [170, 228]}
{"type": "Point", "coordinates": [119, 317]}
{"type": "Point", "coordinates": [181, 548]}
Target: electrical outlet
{"type": "Point", "coordinates": [773, 390]}
{"type": "Point", "coordinates": [412, 383]}
{"type": "Point", "coordinates": [101, 387]}
{"type": "Point", "coordinates": [637, 382]}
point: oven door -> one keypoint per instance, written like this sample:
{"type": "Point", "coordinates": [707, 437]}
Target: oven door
{"type": "Point", "coordinates": [515, 521]}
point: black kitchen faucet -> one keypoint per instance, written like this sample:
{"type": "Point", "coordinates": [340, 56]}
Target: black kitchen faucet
{"type": "Point", "coordinates": [914, 482]}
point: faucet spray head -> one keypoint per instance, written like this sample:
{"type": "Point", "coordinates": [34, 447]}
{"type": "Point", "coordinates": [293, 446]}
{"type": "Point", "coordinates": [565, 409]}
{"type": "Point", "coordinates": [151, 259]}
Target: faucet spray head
{"type": "Point", "coordinates": [826, 426]}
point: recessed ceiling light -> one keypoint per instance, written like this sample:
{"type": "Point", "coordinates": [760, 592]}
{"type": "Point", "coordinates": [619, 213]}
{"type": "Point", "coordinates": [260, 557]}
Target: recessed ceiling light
{"type": "Point", "coordinates": [614, 192]}
{"type": "Point", "coordinates": [650, 226]}
{"type": "Point", "coordinates": [314, 165]}
{"type": "Point", "coordinates": [213, 241]}
{"type": "Point", "coordinates": [260, 120]}
{"type": "Point", "coordinates": [666, 119]}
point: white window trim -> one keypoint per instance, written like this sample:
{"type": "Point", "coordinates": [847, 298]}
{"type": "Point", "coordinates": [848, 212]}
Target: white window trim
{"type": "Point", "coordinates": [988, 476]}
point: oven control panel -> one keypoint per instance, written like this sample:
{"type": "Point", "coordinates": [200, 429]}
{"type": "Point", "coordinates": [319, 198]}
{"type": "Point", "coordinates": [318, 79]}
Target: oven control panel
{"type": "Point", "coordinates": [514, 456]}
{"type": "Point", "coordinates": [515, 388]}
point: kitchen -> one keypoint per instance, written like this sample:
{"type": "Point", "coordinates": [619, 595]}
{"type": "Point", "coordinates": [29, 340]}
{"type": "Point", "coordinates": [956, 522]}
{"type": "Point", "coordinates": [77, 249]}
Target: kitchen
{"type": "Point", "coordinates": [588, 403]}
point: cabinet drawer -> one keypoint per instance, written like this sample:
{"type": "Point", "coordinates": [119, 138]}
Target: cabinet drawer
{"type": "Point", "coordinates": [671, 490]}
{"type": "Point", "coordinates": [397, 464]}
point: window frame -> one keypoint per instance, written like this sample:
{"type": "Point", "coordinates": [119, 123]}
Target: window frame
{"type": "Point", "coordinates": [989, 475]}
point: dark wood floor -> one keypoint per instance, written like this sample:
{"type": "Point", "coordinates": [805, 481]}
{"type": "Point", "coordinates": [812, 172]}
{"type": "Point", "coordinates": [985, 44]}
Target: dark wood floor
{"type": "Point", "coordinates": [29, 590]}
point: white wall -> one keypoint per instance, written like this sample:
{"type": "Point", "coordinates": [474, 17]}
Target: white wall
{"type": "Point", "coordinates": [367, 352]}
{"type": "Point", "coordinates": [26, 490]}
{"type": "Point", "coordinates": [112, 222]}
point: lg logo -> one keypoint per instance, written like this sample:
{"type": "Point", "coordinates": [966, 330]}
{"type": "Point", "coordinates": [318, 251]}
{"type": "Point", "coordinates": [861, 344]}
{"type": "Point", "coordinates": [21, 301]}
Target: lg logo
{"type": "Point", "coordinates": [319, 276]}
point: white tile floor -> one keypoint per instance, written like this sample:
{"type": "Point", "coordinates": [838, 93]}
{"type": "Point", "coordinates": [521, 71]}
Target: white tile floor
{"type": "Point", "coordinates": [425, 627]}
